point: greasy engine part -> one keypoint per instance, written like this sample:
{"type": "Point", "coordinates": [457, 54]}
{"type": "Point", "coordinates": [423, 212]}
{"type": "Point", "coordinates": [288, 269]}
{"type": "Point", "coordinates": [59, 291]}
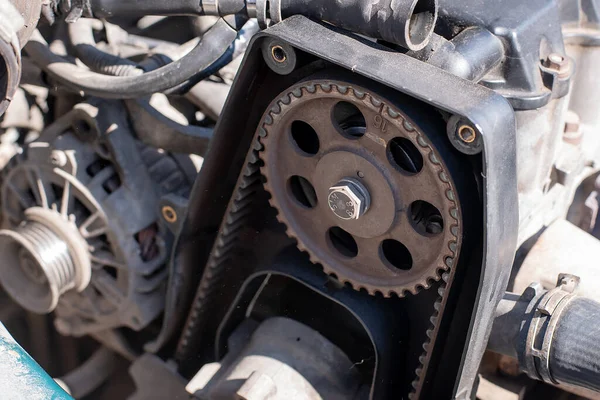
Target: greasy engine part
{"type": "Point", "coordinates": [404, 74]}
{"type": "Point", "coordinates": [18, 19]}
{"type": "Point", "coordinates": [78, 238]}
{"type": "Point", "coordinates": [11, 22]}
{"type": "Point", "coordinates": [237, 180]}
{"type": "Point", "coordinates": [361, 187]}
{"type": "Point", "coordinates": [375, 330]}
{"type": "Point", "coordinates": [561, 247]}
{"type": "Point", "coordinates": [283, 359]}
{"type": "Point", "coordinates": [409, 23]}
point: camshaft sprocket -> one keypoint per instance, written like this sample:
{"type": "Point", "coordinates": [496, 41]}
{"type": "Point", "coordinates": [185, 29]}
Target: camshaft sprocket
{"type": "Point", "coordinates": [321, 134]}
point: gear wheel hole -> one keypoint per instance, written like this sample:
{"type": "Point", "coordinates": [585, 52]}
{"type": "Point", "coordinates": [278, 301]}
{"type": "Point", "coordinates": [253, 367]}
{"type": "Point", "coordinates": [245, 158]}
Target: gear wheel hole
{"type": "Point", "coordinates": [305, 137]}
{"type": "Point", "coordinates": [303, 191]}
{"type": "Point", "coordinates": [396, 254]}
{"type": "Point", "coordinates": [349, 120]}
{"type": "Point", "coordinates": [404, 156]}
{"type": "Point", "coordinates": [426, 218]}
{"type": "Point", "coordinates": [343, 242]}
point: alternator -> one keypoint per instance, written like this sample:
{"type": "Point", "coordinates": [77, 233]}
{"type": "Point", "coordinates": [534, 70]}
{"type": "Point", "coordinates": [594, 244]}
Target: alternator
{"type": "Point", "coordinates": [81, 234]}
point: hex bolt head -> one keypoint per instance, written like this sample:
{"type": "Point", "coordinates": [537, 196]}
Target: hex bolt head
{"type": "Point", "coordinates": [573, 133]}
{"type": "Point", "coordinates": [349, 199]}
{"type": "Point", "coordinates": [560, 64]}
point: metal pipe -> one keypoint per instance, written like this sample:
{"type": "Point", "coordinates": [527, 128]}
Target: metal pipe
{"type": "Point", "coordinates": [408, 23]}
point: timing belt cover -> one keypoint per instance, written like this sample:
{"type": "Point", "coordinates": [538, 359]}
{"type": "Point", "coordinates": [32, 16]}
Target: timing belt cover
{"type": "Point", "coordinates": [256, 85]}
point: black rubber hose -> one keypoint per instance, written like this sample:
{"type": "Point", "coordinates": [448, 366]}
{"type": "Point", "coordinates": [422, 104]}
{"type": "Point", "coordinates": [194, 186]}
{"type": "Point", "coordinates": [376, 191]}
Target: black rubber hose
{"type": "Point", "coordinates": [212, 46]}
{"type": "Point", "coordinates": [91, 374]}
{"type": "Point", "coordinates": [122, 8]}
{"type": "Point", "coordinates": [81, 34]}
{"type": "Point", "coordinates": [237, 48]}
{"type": "Point", "coordinates": [575, 354]}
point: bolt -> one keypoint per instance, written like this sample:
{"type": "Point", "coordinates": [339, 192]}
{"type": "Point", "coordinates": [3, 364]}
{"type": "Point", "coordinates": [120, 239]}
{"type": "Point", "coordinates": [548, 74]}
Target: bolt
{"type": "Point", "coordinates": [467, 134]}
{"type": "Point", "coordinates": [169, 214]}
{"type": "Point", "coordinates": [349, 199]}
{"type": "Point", "coordinates": [58, 158]}
{"type": "Point", "coordinates": [560, 64]}
{"type": "Point", "coordinates": [572, 133]}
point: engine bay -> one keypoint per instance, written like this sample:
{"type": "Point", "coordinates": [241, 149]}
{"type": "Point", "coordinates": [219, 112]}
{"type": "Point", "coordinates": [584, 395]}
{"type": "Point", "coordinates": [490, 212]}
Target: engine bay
{"type": "Point", "coordinates": [297, 199]}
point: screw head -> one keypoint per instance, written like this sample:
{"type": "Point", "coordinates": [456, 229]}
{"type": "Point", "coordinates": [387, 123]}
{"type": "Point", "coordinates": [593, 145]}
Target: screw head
{"type": "Point", "coordinates": [349, 199]}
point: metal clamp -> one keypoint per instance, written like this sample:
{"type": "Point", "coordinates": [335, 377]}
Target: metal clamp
{"type": "Point", "coordinates": [543, 324]}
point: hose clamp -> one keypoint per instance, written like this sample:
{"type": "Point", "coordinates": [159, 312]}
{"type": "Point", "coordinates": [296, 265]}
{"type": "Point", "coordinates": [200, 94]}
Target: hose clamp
{"type": "Point", "coordinates": [543, 325]}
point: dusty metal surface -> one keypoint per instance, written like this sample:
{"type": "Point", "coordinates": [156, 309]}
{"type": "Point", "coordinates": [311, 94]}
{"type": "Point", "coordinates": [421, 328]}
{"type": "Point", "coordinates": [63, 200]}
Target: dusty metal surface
{"type": "Point", "coordinates": [281, 359]}
{"type": "Point", "coordinates": [85, 173]}
{"type": "Point", "coordinates": [561, 248]}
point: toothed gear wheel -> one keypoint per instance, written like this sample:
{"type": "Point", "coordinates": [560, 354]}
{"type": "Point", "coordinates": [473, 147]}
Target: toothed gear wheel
{"type": "Point", "coordinates": [361, 186]}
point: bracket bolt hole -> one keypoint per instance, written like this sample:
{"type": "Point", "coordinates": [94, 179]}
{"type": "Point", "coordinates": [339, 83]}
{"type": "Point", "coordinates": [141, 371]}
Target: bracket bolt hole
{"type": "Point", "coordinates": [467, 134]}
{"type": "Point", "coordinates": [169, 214]}
{"type": "Point", "coordinates": [278, 54]}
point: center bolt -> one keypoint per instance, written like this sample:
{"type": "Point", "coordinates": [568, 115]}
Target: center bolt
{"type": "Point", "coordinates": [349, 199]}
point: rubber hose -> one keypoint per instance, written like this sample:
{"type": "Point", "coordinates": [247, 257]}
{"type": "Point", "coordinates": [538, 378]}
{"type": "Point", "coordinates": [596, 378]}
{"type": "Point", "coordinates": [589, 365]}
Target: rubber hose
{"type": "Point", "coordinates": [121, 8]}
{"type": "Point", "coordinates": [81, 34]}
{"type": "Point", "coordinates": [212, 46]}
{"type": "Point", "coordinates": [237, 48]}
{"type": "Point", "coordinates": [91, 374]}
{"type": "Point", "coordinates": [575, 354]}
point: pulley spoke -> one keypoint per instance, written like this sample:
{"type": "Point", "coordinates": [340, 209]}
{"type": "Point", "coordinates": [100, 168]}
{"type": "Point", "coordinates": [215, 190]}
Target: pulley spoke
{"type": "Point", "coordinates": [105, 259]}
{"type": "Point", "coordinates": [105, 284]}
{"type": "Point", "coordinates": [84, 228]}
{"type": "Point", "coordinates": [66, 202]}
{"type": "Point", "coordinates": [19, 195]}
{"type": "Point", "coordinates": [37, 187]}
